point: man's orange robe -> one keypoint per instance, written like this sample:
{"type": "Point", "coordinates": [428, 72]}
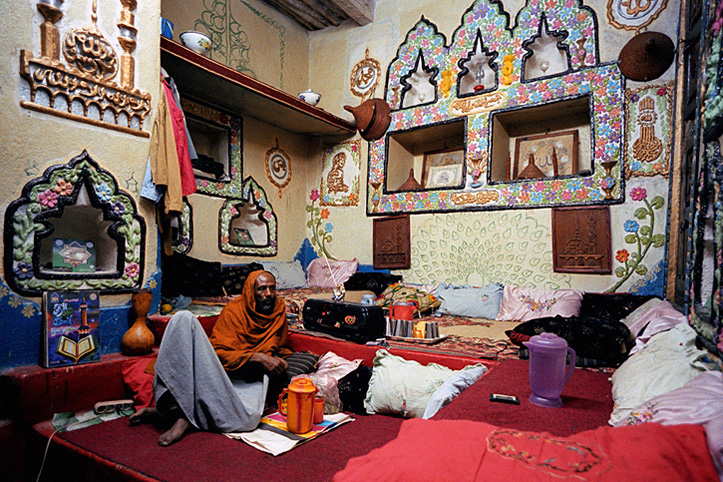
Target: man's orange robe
{"type": "Point", "coordinates": [241, 331]}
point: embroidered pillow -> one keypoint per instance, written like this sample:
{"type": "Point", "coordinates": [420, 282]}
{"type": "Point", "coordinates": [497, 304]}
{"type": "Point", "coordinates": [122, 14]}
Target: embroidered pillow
{"type": "Point", "coordinates": [468, 301]}
{"type": "Point", "coordinates": [524, 304]}
{"type": "Point", "coordinates": [398, 292]}
{"type": "Point", "coordinates": [234, 277]}
{"type": "Point", "coordinates": [288, 275]}
{"type": "Point", "coordinates": [318, 274]}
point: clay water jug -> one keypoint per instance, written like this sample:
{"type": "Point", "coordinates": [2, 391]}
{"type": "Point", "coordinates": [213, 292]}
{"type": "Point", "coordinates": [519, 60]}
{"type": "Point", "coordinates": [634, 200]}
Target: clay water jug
{"type": "Point", "coordinates": [372, 118]}
{"type": "Point", "coordinates": [549, 372]}
{"type": "Point", "coordinates": [297, 403]}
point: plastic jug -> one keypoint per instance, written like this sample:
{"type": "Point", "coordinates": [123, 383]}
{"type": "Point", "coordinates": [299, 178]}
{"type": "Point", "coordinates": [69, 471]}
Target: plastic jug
{"type": "Point", "coordinates": [548, 370]}
{"type": "Point", "coordinates": [403, 310]}
{"type": "Point", "coordinates": [297, 403]}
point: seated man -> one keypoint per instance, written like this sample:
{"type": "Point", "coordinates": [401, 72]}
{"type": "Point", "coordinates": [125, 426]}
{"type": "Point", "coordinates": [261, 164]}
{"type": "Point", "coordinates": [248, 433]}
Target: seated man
{"type": "Point", "coordinates": [192, 387]}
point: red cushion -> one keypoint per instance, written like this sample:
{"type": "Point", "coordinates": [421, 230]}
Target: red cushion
{"type": "Point", "coordinates": [477, 451]}
{"type": "Point", "coordinates": [139, 381]}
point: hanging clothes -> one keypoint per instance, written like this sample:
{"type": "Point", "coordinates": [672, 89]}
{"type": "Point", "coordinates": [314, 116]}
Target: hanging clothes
{"type": "Point", "coordinates": [188, 180]}
{"type": "Point", "coordinates": [165, 170]}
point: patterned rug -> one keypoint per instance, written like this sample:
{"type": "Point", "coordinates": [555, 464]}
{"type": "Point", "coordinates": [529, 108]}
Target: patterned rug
{"type": "Point", "coordinates": [474, 337]}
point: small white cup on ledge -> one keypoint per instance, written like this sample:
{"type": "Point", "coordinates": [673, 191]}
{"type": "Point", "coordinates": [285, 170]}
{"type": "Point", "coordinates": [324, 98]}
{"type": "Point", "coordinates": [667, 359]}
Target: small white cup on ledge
{"type": "Point", "coordinates": [310, 97]}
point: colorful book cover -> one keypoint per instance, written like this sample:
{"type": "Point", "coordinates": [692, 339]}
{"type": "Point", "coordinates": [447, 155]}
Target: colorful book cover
{"type": "Point", "coordinates": [71, 328]}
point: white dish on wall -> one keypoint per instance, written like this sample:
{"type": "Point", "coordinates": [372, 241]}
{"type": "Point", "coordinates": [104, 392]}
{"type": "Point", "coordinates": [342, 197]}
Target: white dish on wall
{"type": "Point", "coordinates": [196, 41]}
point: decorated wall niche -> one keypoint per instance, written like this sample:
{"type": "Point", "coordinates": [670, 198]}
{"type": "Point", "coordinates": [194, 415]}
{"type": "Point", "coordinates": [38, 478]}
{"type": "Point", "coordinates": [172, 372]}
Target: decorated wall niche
{"type": "Point", "coordinates": [247, 224]}
{"type": "Point", "coordinates": [218, 139]}
{"type": "Point", "coordinates": [84, 89]}
{"type": "Point", "coordinates": [572, 78]}
{"type": "Point", "coordinates": [73, 228]}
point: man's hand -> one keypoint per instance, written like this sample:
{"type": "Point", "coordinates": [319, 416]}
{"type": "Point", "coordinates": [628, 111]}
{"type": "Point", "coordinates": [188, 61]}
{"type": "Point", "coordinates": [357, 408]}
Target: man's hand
{"type": "Point", "coordinates": [271, 364]}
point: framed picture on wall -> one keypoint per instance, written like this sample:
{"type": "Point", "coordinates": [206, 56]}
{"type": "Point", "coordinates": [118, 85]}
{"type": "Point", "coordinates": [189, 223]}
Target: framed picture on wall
{"type": "Point", "coordinates": [443, 168]}
{"type": "Point", "coordinates": [581, 240]}
{"type": "Point", "coordinates": [554, 154]}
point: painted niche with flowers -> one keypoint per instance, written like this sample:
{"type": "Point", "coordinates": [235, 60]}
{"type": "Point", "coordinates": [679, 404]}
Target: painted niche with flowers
{"type": "Point", "coordinates": [81, 204]}
{"type": "Point", "coordinates": [486, 34]}
{"type": "Point", "coordinates": [247, 226]}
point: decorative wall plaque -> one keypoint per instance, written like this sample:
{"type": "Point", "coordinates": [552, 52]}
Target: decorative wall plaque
{"type": "Point", "coordinates": [340, 174]}
{"type": "Point", "coordinates": [84, 89]}
{"type": "Point", "coordinates": [391, 243]}
{"type": "Point", "coordinates": [278, 167]}
{"type": "Point", "coordinates": [634, 14]}
{"type": "Point", "coordinates": [581, 240]}
{"type": "Point", "coordinates": [365, 77]}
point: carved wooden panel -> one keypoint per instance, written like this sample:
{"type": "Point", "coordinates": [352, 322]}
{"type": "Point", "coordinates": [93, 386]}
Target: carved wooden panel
{"type": "Point", "coordinates": [581, 240]}
{"type": "Point", "coordinates": [391, 243]}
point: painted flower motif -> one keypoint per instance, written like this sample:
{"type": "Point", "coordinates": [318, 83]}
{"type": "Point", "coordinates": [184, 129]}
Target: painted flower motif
{"type": "Point", "coordinates": [3, 291]}
{"type": "Point", "coordinates": [607, 183]}
{"type": "Point", "coordinates": [23, 271]}
{"type": "Point", "coordinates": [638, 194]}
{"type": "Point", "coordinates": [622, 255]}
{"type": "Point", "coordinates": [314, 196]}
{"type": "Point", "coordinates": [204, 183]}
{"type": "Point", "coordinates": [133, 270]}
{"type": "Point", "coordinates": [328, 227]}
{"type": "Point", "coordinates": [631, 226]}
{"type": "Point", "coordinates": [63, 188]}
{"type": "Point", "coordinates": [224, 239]}
{"type": "Point", "coordinates": [152, 284]}
{"type": "Point", "coordinates": [324, 213]}
{"type": "Point", "coordinates": [28, 311]}
{"type": "Point", "coordinates": [268, 215]}
{"type": "Point", "coordinates": [232, 210]}
{"type": "Point", "coordinates": [15, 301]}
{"type": "Point", "coordinates": [662, 91]}
{"type": "Point", "coordinates": [117, 208]}
{"type": "Point", "coordinates": [634, 97]}
{"type": "Point", "coordinates": [48, 199]}
{"type": "Point", "coordinates": [103, 192]}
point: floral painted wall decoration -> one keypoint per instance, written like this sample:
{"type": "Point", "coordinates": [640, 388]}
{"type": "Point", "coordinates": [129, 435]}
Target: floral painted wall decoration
{"type": "Point", "coordinates": [600, 85]}
{"type": "Point", "coordinates": [648, 127]}
{"type": "Point", "coordinates": [640, 234]}
{"type": "Point", "coordinates": [340, 174]}
{"type": "Point", "coordinates": [319, 225]}
{"type": "Point", "coordinates": [510, 247]}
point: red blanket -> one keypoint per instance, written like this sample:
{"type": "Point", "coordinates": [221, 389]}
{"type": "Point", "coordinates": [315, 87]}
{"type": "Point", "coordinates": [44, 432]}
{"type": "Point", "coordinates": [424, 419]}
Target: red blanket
{"type": "Point", "coordinates": [461, 450]}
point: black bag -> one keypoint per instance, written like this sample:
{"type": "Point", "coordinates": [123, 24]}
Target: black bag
{"type": "Point", "coordinates": [350, 321]}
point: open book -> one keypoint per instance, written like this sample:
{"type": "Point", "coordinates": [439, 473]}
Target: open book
{"type": "Point", "coordinates": [272, 436]}
{"type": "Point", "coordinates": [73, 350]}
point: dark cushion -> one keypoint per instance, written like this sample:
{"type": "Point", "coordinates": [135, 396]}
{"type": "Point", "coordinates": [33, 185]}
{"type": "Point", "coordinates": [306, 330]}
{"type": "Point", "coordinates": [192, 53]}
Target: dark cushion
{"type": "Point", "coordinates": [234, 277]}
{"type": "Point", "coordinates": [301, 362]}
{"type": "Point", "coordinates": [371, 281]}
{"type": "Point", "coordinates": [613, 306]}
{"type": "Point", "coordinates": [596, 342]}
{"type": "Point", "coordinates": [353, 389]}
{"type": "Point", "coordinates": [187, 276]}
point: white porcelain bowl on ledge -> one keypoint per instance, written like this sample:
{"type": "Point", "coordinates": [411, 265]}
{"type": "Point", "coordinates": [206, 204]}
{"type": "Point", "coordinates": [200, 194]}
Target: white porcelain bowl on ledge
{"type": "Point", "coordinates": [310, 97]}
{"type": "Point", "coordinates": [196, 41]}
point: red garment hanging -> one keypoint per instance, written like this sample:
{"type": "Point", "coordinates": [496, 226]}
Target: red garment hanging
{"type": "Point", "coordinates": [188, 181]}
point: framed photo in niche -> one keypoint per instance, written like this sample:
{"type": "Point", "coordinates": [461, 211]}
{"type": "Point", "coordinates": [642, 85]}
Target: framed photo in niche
{"type": "Point", "coordinates": [392, 247]}
{"type": "Point", "coordinates": [443, 168]}
{"type": "Point", "coordinates": [554, 154]}
{"type": "Point", "coordinates": [581, 240]}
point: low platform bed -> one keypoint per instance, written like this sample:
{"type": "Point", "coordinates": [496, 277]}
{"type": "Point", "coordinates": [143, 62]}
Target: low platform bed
{"type": "Point", "coordinates": [115, 451]}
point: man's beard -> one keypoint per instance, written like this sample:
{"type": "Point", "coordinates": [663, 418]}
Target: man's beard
{"type": "Point", "coordinates": [266, 306]}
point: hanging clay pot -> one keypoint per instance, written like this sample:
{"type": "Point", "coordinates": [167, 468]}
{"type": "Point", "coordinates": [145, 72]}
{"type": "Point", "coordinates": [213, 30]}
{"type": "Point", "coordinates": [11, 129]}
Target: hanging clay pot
{"type": "Point", "coordinates": [372, 118]}
{"type": "Point", "coordinates": [646, 56]}
{"type": "Point", "coordinates": [139, 339]}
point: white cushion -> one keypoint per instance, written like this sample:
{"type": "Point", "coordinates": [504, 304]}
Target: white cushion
{"type": "Point", "coordinates": [668, 361]}
{"type": "Point", "coordinates": [403, 387]}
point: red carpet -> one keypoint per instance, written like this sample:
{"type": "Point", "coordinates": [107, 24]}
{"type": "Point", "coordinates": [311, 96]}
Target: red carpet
{"type": "Point", "coordinates": [128, 453]}
{"type": "Point", "coordinates": [587, 402]}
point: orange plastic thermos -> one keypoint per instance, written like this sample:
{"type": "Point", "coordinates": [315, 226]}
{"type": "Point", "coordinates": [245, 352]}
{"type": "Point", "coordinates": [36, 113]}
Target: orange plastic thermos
{"type": "Point", "coordinates": [299, 409]}
{"type": "Point", "coordinates": [403, 310]}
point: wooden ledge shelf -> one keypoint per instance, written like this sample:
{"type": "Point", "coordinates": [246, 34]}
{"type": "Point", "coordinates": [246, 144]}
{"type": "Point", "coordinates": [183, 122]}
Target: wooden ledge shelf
{"type": "Point", "coordinates": [212, 82]}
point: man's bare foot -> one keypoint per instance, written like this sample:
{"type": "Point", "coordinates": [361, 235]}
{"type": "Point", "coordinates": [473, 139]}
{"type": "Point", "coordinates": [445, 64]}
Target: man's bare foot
{"type": "Point", "coordinates": [176, 432]}
{"type": "Point", "coordinates": [144, 415]}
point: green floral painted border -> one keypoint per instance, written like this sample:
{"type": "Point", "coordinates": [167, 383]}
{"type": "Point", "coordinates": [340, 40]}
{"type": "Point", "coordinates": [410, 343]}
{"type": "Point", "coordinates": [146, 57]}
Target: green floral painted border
{"type": "Point", "coordinates": [184, 243]}
{"type": "Point", "coordinates": [26, 223]}
{"type": "Point", "coordinates": [251, 192]}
